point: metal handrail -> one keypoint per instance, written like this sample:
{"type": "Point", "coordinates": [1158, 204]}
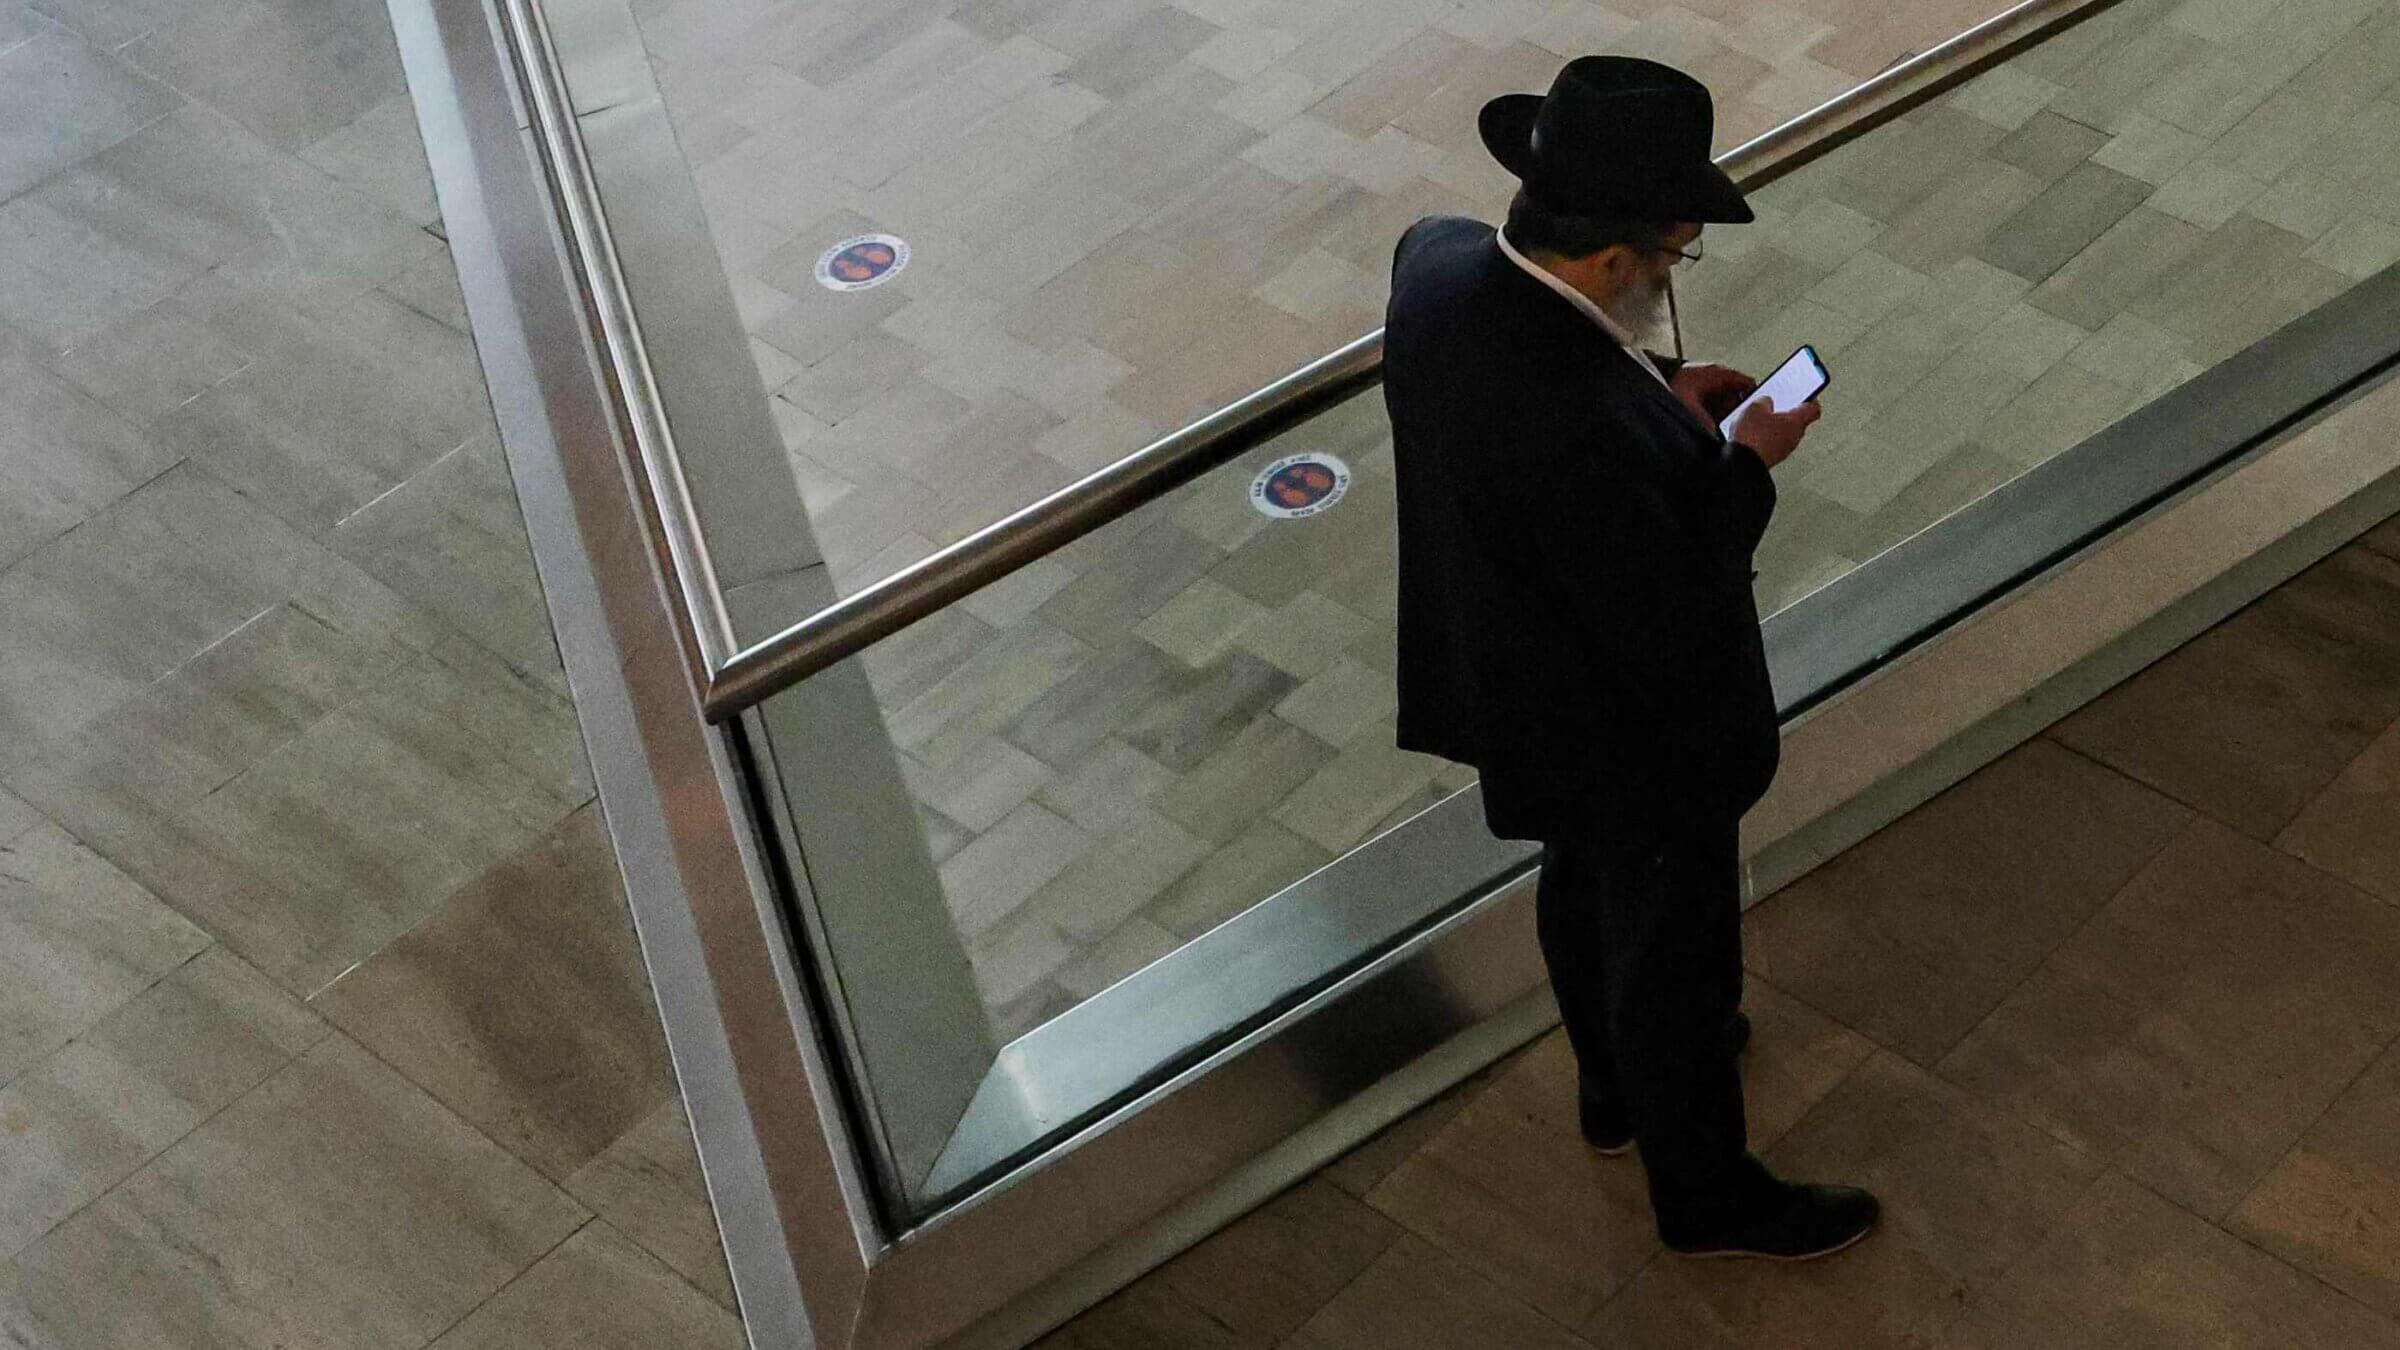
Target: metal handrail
{"type": "Point", "coordinates": [857, 621]}
{"type": "Point", "coordinates": [702, 620]}
{"type": "Point", "coordinates": [729, 684]}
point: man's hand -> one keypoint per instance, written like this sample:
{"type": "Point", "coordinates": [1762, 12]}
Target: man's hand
{"type": "Point", "coordinates": [1710, 390]}
{"type": "Point", "coordinates": [1774, 435]}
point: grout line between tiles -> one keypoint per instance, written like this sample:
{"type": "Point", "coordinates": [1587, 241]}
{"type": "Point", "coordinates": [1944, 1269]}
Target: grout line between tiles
{"type": "Point", "coordinates": [147, 1163]}
{"type": "Point", "coordinates": [511, 1281]}
{"type": "Point", "coordinates": [2344, 1294]}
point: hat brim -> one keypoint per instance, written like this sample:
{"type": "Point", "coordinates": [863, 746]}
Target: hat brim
{"type": "Point", "coordinates": [1701, 193]}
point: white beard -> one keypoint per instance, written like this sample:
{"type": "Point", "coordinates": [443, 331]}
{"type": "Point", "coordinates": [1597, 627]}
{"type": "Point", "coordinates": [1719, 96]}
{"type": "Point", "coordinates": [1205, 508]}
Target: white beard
{"type": "Point", "coordinates": [1641, 311]}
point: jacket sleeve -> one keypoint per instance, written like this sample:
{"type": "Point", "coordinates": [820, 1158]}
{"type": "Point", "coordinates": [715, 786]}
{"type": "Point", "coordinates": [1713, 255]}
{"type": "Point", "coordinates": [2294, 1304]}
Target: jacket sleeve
{"type": "Point", "coordinates": [1745, 494]}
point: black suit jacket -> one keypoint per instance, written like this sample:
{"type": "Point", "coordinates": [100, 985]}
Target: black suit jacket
{"type": "Point", "coordinates": [1576, 618]}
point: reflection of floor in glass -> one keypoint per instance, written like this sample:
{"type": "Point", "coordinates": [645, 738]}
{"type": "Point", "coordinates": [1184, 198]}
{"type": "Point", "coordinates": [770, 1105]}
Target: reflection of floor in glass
{"type": "Point", "coordinates": [1990, 280]}
{"type": "Point", "coordinates": [1123, 213]}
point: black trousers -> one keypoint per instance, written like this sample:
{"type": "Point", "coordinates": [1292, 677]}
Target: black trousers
{"type": "Point", "coordinates": [1645, 956]}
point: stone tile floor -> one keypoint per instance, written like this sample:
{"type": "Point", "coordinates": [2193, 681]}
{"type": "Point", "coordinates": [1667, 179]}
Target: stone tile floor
{"type": "Point", "coordinates": [2109, 1025]}
{"type": "Point", "coordinates": [321, 1021]}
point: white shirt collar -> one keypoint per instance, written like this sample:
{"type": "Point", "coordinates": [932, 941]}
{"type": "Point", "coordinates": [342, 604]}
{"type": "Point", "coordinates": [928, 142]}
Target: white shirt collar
{"type": "Point", "coordinates": [1579, 300]}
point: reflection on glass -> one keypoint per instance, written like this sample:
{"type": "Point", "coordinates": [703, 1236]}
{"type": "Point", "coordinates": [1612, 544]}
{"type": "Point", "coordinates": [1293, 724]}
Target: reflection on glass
{"type": "Point", "coordinates": [2000, 274]}
{"type": "Point", "coordinates": [1121, 746]}
{"type": "Point", "coordinates": [1131, 741]}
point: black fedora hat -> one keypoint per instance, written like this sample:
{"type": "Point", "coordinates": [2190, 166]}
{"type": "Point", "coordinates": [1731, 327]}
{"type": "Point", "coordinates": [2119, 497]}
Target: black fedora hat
{"type": "Point", "coordinates": [1616, 136]}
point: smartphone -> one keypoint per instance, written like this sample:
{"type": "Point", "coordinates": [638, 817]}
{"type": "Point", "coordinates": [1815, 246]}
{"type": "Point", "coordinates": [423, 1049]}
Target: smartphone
{"type": "Point", "coordinates": [1800, 378]}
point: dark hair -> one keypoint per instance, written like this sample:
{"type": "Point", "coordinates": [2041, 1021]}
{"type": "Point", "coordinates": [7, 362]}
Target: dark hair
{"type": "Point", "coordinates": [1535, 228]}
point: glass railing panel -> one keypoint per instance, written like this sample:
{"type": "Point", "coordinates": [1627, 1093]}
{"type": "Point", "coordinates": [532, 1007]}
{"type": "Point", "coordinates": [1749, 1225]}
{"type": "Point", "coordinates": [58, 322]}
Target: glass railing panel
{"type": "Point", "coordinates": [1117, 216]}
{"type": "Point", "coordinates": [1085, 767]}
{"type": "Point", "coordinates": [1140, 736]}
{"type": "Point", "coordinates": [1107, 755]}
{"type": "Point", "coordinates": [1998, 275]}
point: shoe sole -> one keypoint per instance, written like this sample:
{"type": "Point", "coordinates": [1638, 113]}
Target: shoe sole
{"type": "Point", "coordinates": [1737, 1254]}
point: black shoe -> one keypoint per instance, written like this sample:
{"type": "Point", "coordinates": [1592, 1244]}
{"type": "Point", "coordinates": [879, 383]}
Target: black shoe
{"type": "Point", "coordinates": [1608, 1129]}
{"type": "Point", "coordinates": [1786, 1221]}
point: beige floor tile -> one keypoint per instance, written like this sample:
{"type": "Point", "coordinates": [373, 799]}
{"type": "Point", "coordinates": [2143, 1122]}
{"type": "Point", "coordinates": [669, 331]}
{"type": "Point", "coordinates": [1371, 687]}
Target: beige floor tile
{"type": "Point", "coordinates": [597, 1291]}
{"type": "Point", "coordinates": [1961, 478]}
{"type": "Point", "coordinates": [1121, 873]}
{"type": "Point", "coordinates": [335, 1203]}
{"type": "Point", "coordinates": [2359, 246]}
{"type": "Point", "coordinates": [1342, 801]}
{"type": "Point", "coordinates": [2249, 280]}
{"type": "Point", "coordinates": [2328, 1207]}
{"type": "Point", "coordinates": [647, 1184]}
{"type": "Point", "coordinates": [993, 877]}
{"type": "Point", "coordinates": [1918, 933]}
{"type": "Point", "coordinates": [151, 362]}
{"type": "Point", "coordinates": [340, 837]}
{"type": "Point", "coordinates": [1965, 1193]}
{"type": "Point", "coordinates": [2251, 720]}
{"type": "Point", "coordinates": [2141, 1040]}
{"type": "Point", "coordinates": [2007, 96]}
{"type": "Point", "coordinates": [1003, 677]}
{"type": "Point", "coordinates": [2126, 1270]}
{"type": "Point", "coordinates": [63, 458]}
{"type": "Point", "coordinates": [1305, 635]}
{"type": "Point", "coordinates": [1201, 623]}
{"type": "Point", "coordinates": [16, 817]}
{"type": "Point", "coordinates": [1187, 718]}
{"type": "Point", "coordinates": [1358, 1171]}
{"type": "Point", "coordinates": [291, 79]}
{"type": "Point", "coordinates": [1532, 1209]}
{"type": "Point", "coordinates": [1257, 863]}
{"type": "Point", "coordinates": [86, 1117]}
{"type": "Point", "coordinates": [1013, 960]}
{"type": "Point", "coordinates": [521, 1004]}
{"type": "Point", "coordinates": [2131, 260]}
{"type": "Point", "coordinates": [2136, 354]}
{"type": "Point", "coordinates": [2348, 830]}
{"type": "Point", "coordinates": [981, 786]}
{"type": "Point", "coordinates": [1268, 1272]}
{"type": "Point", "coordinates": [1416, 1298]}
{"type": "Point", "coordinates": [451, 540]}
{"type": "Point", "coordinates": [380, 154]}
{"type": "Point", "coordinates": [1144, 1314]}
{"type": "Point", "coordinates": [2206, 195]}
{"type": "Point", "coordinates": [1154, 565]}
{"type": "Point", "coordinates": [338, 412]}
{"type": "Point", "coordinates": [1125, 949]}
{"type": "Point", "coordinates": [1346, 701]}
{"type": "Point", "coordinates": [140, 590]}
{"type": "Point", "coordinates": [2064, 220]}
{"type": "Point", "coordinates": [1111, 791]}
{"type": "Point", "coordinates": [2067, 405]}
{"type": "Point", "coordinates": [1016, 596]}
{"type": "Point", "coordinates": [78, 938]}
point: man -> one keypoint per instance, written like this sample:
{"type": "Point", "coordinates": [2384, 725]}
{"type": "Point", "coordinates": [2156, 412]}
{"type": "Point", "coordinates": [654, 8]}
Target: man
{"type": "Point", "coordinates": [1576, 618]}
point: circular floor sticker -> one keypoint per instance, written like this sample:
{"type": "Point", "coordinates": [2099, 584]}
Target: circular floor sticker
{"type": "Point", "coordinates": [1301, 485]}
{"type": "Point", "coordinates": [856, 264]}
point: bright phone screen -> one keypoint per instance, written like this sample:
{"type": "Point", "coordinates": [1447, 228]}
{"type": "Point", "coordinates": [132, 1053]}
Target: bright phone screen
{"type": "Point", "coordinates": [1800, 378]}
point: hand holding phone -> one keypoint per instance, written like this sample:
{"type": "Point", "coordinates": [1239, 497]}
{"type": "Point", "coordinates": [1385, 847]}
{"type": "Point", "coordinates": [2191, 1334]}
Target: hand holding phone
{"type": "Point", "coordinates": [1772, 433]}
{"type": "Point", "coordinates": [1800, 378]}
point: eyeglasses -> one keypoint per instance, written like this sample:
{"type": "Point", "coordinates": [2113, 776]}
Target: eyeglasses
{"type": "Point", "coordinates": [1691, 257]}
